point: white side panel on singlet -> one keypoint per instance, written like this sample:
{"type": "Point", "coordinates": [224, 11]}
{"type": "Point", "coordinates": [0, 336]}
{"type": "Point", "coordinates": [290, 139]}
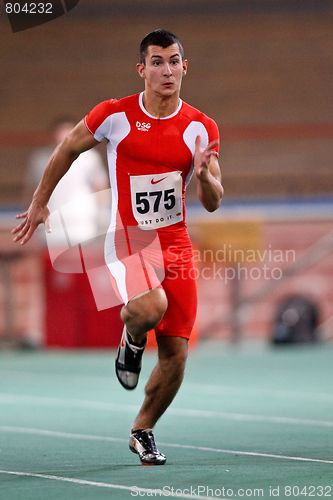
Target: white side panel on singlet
{"type": "Point", "coordinates": [116, 130]}
{"type": "Point", "coordinates": [190, 133]}
{"type": "Point", "coordinates": [103, 130]}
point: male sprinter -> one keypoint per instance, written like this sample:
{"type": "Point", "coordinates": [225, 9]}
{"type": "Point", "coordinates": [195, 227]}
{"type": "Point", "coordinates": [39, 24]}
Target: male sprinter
{"type": "Point", "coordinates": [155, 141]}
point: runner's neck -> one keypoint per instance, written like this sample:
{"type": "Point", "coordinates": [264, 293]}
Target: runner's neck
{"type": "Point", "coordinates": [160, 107]}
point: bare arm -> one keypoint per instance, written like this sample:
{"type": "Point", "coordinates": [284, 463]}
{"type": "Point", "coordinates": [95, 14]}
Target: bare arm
{"type": "Point", "coordinates": [208, 174]}
{"type": "Point", "coordinates": [77, 141]}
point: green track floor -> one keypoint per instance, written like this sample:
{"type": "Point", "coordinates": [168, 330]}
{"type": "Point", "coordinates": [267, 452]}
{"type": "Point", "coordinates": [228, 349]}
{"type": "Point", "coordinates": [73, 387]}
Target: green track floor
{"type": "Point", "coordinates": [246, 418]}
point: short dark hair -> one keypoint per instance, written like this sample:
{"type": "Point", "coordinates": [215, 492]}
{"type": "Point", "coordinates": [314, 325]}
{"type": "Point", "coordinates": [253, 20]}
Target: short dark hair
{"type": "Point", "coordinates": [161, 38]}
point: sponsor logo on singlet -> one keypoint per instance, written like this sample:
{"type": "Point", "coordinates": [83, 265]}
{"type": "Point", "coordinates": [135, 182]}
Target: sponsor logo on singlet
{"type": "Point", "coordinates": [153, 181]}
{"type": "Point", "coordinates": [143, 126]}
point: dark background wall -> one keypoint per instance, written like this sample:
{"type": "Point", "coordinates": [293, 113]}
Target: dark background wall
{"type": "Point", "coordinates": [262, 69]}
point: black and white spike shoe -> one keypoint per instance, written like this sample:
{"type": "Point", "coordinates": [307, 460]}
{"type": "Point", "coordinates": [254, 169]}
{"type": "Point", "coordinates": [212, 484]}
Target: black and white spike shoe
{"type": "Point", "coordinates": [143, 443]}
{"type": "Point", "coordinates": [128, 361]}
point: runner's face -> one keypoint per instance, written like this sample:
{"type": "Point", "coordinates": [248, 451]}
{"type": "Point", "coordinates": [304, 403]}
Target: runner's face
{"type": "Point", "coordinates": [163, 69]}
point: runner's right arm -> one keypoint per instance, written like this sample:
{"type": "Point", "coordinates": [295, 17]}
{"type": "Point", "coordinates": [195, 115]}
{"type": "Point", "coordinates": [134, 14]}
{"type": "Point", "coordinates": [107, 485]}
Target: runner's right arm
{"type": "Point", "coordinates": [77, 141]}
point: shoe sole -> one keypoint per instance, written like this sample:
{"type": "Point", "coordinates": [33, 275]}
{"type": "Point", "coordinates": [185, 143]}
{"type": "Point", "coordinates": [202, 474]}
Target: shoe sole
{"type": "Point", "coordinates": [133, 450]}
{"type": "Point", "coordinates": [127, 387]}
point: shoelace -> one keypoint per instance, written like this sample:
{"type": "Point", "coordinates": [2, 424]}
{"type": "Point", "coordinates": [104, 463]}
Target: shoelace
{"type": "Point", "coordinates": [134, 348]}
{"type": "Point", "coordinates": [147, 440]}
{"type": "Point", "coordinates": [152, 442]}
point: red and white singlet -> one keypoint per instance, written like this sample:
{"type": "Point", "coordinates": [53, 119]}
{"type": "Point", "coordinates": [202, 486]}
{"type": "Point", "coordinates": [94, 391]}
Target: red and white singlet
{"type": "Point", "coordinates": [150, 164]}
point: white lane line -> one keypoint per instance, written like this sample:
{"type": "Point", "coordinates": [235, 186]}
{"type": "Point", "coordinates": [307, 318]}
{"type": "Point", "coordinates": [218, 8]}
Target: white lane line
{"type": "Point", "coordinates": [66, 435]}
{"type": "Point", "coordinates": [274, 393]}
{"type": "Point", "coordinates": [243, 417]}
{"type": "Point", "coordinates": [250, 453]}
{"type": "Point", "coordinates": [208, 388]}
{"type": "Point", "coordinates": [135, 490]}
{"type": "Point", "coordinates": [108, 439]}
{"type": "Point", "coordinates": [185, 412]}
{"type": "Point", "coordinates": [66, 403]}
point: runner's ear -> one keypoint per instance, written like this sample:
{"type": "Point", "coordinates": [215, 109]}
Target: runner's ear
{"type": "Point", "coordinates": [140, 69]}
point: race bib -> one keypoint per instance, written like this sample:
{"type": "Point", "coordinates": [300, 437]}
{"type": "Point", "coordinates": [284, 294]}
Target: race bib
{"type": "Point", "coordinates": [157, 199]}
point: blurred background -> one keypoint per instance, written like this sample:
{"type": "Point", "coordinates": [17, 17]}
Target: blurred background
{"type": "Point", "coordinates": [263, 70]}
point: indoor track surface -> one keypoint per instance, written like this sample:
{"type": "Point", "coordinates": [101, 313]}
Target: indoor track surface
{"type": "Point", "coordinates": [250, 421]}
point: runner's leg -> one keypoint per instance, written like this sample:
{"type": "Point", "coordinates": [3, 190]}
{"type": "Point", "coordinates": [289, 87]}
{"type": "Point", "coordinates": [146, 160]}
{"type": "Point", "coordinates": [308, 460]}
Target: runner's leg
{"type": "Point", "coordinates": [164, 381]}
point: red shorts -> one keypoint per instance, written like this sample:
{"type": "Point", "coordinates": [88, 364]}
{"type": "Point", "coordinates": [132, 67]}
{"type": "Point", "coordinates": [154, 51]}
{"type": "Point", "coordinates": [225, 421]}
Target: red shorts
{"type": "Point", "coordinates": [180, 288]}
{"type": "Point", "coordinates": [159, 259]}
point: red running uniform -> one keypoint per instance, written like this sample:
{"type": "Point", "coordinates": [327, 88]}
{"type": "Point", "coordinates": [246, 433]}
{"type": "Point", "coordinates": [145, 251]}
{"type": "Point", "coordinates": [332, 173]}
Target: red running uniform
{"type": "Point", "coordinates": [150, 164]}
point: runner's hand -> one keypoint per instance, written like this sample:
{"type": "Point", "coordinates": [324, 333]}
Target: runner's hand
{"type": "Point", "coordinates": [35, 215]}
{"type": "Point", "coordinates": [202, 158]}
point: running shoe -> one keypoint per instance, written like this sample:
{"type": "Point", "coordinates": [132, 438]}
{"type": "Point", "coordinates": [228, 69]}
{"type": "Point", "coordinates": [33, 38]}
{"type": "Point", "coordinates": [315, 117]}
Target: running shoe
{"type": "Point", "coordinates": [143, 443]}
{"type": "Point", "coordinates": [128, 361]}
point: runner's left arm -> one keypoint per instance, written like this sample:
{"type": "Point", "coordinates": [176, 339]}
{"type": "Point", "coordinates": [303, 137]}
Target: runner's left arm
{"type": "Point", "coordinates": [208, 174]}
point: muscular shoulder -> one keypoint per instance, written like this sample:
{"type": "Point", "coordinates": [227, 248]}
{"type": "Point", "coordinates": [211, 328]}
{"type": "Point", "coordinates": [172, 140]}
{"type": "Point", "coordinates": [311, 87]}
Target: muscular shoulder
{"type": "Point", "coordinates": [197, 123]}
{"type": "Point", "coordinates": [193, 114]}
{"type": "Point", "coordinates": [102, 111]}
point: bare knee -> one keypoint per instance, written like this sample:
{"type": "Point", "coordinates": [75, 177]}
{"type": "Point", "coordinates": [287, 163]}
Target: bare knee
{"type": "Point", "coordinates": [173, 353]}
{"type": "Point", "coordinates": [146, 311]}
